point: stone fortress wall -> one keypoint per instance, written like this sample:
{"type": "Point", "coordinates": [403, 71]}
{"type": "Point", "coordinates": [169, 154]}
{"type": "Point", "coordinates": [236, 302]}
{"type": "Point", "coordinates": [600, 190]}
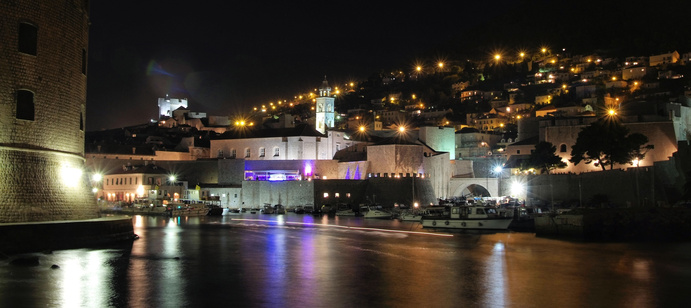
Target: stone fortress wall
{"type": "Point", "coordinates": [42, 147]}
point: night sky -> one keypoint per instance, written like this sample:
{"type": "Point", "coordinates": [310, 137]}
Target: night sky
{"type": "Point", "coordinates": [228, 56]}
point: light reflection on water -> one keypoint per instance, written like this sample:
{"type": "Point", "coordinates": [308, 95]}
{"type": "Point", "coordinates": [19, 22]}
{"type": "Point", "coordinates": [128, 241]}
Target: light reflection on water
{"type": "Point", "coordinates": [287, 261]}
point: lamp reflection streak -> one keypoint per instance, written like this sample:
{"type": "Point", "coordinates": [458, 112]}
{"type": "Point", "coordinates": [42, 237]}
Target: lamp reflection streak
{"type": "Point", "coordinates": [342, 227]}
{"type": "Point", "coordinates": [84, 281]}
{"type": "Point", "coordinates": [496, 271]}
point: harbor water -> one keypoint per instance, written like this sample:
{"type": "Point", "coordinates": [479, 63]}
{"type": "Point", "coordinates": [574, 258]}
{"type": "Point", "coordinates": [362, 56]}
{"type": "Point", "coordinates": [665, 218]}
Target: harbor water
{"type": "Point", "coordinates": [291, 260]}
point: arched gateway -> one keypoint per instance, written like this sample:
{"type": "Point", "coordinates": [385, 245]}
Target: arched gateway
{"type": "Point", "coordinates": [477, 186]}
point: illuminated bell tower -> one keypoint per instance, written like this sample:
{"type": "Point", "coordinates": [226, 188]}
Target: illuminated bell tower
{"type": "Point", "coordinates": [324, 114]}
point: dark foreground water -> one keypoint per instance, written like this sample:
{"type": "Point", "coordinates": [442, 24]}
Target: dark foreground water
{"type": "Point", "coordinates": [296, 261]}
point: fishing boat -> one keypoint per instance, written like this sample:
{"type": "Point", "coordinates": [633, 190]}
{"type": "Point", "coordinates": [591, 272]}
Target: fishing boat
{"type": "Point", "coordinates": [469, 217]}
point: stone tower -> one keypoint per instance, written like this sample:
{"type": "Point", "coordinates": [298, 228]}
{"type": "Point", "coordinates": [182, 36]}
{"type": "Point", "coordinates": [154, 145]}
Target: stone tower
{"type": "Point", "coordinates": [324, 113]}
{"type": "Point", "coordinates": [42, 105]}
{"type": "Point", "coordinates": [166, 105]}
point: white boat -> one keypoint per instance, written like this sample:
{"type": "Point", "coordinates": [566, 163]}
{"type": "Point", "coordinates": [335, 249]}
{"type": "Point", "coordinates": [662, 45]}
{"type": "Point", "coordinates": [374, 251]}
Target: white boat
{"type": "Point", "coordinates": [469, 217]}
{"type": "Point", "coordinates": [376, 213]}
{"type": "Point", "coordinates": [410, 217]}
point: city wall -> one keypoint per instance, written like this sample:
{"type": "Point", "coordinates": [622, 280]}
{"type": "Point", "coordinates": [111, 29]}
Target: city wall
{"type": "Point", "coordinates": [631, 187]}
{"type": "Point", "coordinates": [287, 193]}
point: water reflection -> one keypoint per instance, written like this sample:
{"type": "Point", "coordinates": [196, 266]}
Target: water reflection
{"type": "Point", "coordinates": [80, 270]}
{"type": "Point", "coordinates": [297, 261]}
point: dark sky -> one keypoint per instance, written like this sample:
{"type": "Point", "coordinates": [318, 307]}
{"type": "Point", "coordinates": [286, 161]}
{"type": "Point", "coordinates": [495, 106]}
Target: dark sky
{"type": "Point", "coordinates": [226, 58]}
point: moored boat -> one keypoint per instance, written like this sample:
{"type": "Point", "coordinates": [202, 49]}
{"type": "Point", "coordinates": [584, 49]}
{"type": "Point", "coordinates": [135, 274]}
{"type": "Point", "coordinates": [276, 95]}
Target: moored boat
{"type": "Point", "coordinates": [469, 217]}
{"type": "Point", "coordinates": [348, 212]}
{"type": "Point", "coordinates": [376, 213]}
{"type": "Point", "coordinates": [182, 209]}
{"type": "Point", "coordinates": [268, 209]}
{"type": "Point", "coordinates": [409, 216]}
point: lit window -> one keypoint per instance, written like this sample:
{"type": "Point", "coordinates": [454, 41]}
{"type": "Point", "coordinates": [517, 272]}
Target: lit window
{"type": "Point", "coordinates": [326, 195]}
{"type": "Point", "coordinates": [337, 195]}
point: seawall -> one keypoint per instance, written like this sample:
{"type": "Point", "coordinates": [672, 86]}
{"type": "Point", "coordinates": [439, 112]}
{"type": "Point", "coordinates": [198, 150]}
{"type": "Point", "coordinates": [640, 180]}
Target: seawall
{"type": "Point", "coordinates": [57, 235]}
{"type": "Point", "coordinates": [619, 224]}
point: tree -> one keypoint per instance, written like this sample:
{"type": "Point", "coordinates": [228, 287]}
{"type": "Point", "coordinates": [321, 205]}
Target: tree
{"type": "Point", "coordinates": [544, 158]}
{"type": "Point", "coordinates": [608, 142]}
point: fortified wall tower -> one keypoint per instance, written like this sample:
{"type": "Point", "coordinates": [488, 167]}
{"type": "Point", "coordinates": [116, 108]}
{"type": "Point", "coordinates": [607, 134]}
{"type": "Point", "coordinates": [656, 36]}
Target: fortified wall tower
{"type": "Point", "coordinates": [43, 59]}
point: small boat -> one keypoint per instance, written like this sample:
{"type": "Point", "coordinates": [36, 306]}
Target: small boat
{"type": "Point", "coordinates": [376, 213]}
{"type": "Point", "coordinates": [469, 217]}
{"type": "Point", "coordinates": [215, 211]}
{"type": "Point", "coordinates": [410, 217]}
{"type": "Point", "coordinates": [349, 212]}
{"type": "Point", "coordinates": [182, 209]}
{"type": "Point", "coordinates": [299, 210]}
{"type": "Point", "coordinates": [268, 209]}
{"type": "Point", "coordinates": [279, 209]}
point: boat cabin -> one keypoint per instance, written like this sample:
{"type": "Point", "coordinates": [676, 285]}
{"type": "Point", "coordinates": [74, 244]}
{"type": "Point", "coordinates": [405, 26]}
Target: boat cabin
{"type": "Point", "coordinates": [472, 212]}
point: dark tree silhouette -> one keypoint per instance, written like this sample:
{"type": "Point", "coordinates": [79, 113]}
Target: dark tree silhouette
{"type": "Point", "coordinates": [544, 158]}
{"type": "Point", "coordinates": [607, 142]}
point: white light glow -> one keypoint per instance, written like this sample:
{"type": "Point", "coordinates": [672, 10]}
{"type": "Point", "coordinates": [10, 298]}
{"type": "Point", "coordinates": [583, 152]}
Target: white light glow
{"type": "Point", "coordinates": [71, 175]}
